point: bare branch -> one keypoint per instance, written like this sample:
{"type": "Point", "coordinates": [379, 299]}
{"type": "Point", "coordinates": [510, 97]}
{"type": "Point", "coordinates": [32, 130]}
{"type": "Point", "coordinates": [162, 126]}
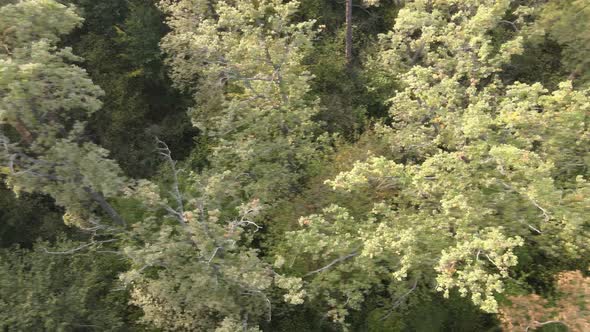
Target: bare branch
{"type": "Point", "coordinates": [165, 152]}
{"type": "Point", "coordinates": [534, 228]}
{"type": "Point", "coordinates": [255, 291]}
{"type": "Point", "coordinates": [512, 24]}
{"type": "Point", "coordinates": [399, 301]}
{"type": "Point", "coordinates": [539, 324]}
{"type": "Point", "coordinates": [336, 261]}
{"type": "Point", "coordinates": [244, 222]}
{"type": "Point", "coordinates": [73, 250]}
{"type": "Point", "coordinates": [213, 254]}
{"type": "Point", "coordinates": [99, 198]}
{"type": "Point", "coordinates": [545, 213]}
{"type": "Point", "coordinates": [492, 261]}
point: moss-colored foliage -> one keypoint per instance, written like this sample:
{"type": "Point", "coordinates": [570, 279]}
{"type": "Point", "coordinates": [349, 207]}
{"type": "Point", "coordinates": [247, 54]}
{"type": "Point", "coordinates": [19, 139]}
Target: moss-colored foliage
{"type": "Point", "coordinates": [120, 44]}
{"type": "Point", "coordinates": [439, 177]}
{"type": "Point", "coordinates": [243, 62]}
{"type": "Point", "coordinates": [558, 20]}
{"type": "Point", "coordinates": [61, 292]}
{"type": "Point", "coordinates": [284, 216]}
{"type": "Point", "coordinates": [27, 218]}
{"type": "Point", "coordinates": [192, 269]}
{"type": "Point", "coordinates": [425, 311]}
{"type": "Point", "coordinates": [477, 168]}
{"type": "Point", "coordinates": [47, 100]}
{"type": "Point", "coordinates": [347, 99]}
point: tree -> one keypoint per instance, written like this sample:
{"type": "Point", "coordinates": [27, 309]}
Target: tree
{"type": "Point", "coordinates": [119, 42]}
{"type": "Point", "coordinates": [243, 62]}
{"type": "Point", "coordinates": [48, 289]}
{"type": "Point", "coordinates": [479, 170]}
{"type": "Point", "coordinates": [46, 101]}
{"type": "Point", "coordinates": [469, 176]}
{"type": "Point", "coordinates": [559, 19]}
{"type": "Point", "coordinates": [179, 258]}
{"type": "Point", "coordinates": [532, 311]}
{"type": "Point", "coordinates": [348, 43]}
{"type": "Point", "coordinates": [192, 269]}
{"type": "Point", "coordinates": [348, 52]}
{"type": "Point", "coordinates": [27, 218]}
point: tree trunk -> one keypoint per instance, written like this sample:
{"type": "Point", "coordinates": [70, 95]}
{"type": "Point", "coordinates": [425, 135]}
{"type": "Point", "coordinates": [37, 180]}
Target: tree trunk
{"type": "Point", "coordinates": [24, 133]}
{"type": "Point", "coordinates": [99, 198]}
{"type": "Point", "coordinates": [348, 32]}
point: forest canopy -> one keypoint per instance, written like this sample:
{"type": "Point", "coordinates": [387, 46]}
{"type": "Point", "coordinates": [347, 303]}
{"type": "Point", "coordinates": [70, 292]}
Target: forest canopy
{"type": "Point", "coordinates": [284, 165]}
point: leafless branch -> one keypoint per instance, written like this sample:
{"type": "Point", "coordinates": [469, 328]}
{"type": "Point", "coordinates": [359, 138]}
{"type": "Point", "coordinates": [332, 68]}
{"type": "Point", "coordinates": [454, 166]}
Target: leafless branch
{"type": "Point", "coordinates": [492, 261]}
{"type": "Point", "coordinates": [512, 24]}
{"type": "Point", "coordinates": [399, 301]}
{"type": "Point", "coordinates": [213, 254]}
{"type": "Point", "coordinates": [336, 261]}
{"type": "Point", "coordinates": [545, 213]}
{"type": "Point", "coordinates": [255, 291]}
{"type": "Point", "coordinates": [165, 152]}
{"type": "Point", "coordinates": [83, 246]}
{"type": "Point", "coordinates": [99, 198]}
{"type": "Point", "coordinates": [244, 222]}
{"type": "Point", "coordinates": [539, 324]}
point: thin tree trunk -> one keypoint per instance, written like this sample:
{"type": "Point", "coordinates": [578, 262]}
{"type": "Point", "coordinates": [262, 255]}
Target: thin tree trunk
{"type": "Point", "coordinates": [99, 198]}
{"type": "Point", "coordinates": [574, 74]}
{"type": "Point", "coordinates": [24, 133]}
{"type": "Point", "coordinates": [349, 32]}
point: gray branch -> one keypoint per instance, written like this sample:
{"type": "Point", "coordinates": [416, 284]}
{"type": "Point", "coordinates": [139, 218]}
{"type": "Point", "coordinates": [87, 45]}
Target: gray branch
{"type": "Point", "coordinates": [332, 263]}
{"type": "Point", "coordinates": [399, 301]}
{"type": "Point", "coordinates": [74, 250]}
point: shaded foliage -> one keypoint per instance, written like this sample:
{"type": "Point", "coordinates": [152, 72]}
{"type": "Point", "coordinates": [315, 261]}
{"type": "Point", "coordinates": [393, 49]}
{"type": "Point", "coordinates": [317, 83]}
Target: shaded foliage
{"type": "Point", "coordinates": [438, 178]}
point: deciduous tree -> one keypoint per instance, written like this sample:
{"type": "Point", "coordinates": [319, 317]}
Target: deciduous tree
{"type": "Point", "coordinates": [46, 100]}
{"type": "Point", "coordinates": [242, 60]}
{"type": "Point", "coordinates": [479, 169]}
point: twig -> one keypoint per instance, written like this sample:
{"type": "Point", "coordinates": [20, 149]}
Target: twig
{"type": "Point", "coordinates": [213, 254]}
{"type": "Point", "coordinates": [73, 250]}
{"type": "Point", "coordinates": [492, 261]}
{"type": "Point", "coordinates": [510, 23]}
{"type": "Point", "coordinates": [165, 152]}
{"type": "Point", "coordinates": [336, 261]}
{"type": "Point", "coordinates": [538, 324]}
{"type": "Point", "coordinates": [546, 215]}
{"type": "Point", "coordinates": [399, 300]}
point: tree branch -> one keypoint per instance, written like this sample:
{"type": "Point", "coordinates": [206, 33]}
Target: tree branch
{"type": "Point", "coordinates": [399, 300]}
{"type": "Point", "coordinates": [99, 198]}
{"type": "Point", "coordinates": [73, 250]}
{"type": "Point", "coordinates": [336, 261]}
{"type": "Point", "coordinates": [539, 324]}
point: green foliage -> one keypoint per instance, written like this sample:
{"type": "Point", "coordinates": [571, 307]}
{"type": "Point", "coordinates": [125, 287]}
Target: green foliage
{"type": "Point", "coordinates": [425, 311]}
{"type": "Point", "coordinates": [47, 100]}
{"type": "Point", "coordinates": [191, 269]}
{"type": "Point", "coordinates": [290, 206]}
{"type": "Point", "coordinates": [243, 62]}
{"type": "Point", "coordinates": [343, 89]}
{"type": "Point", "coordinates": [27, 218]}
{"type": "Point", "coordinates": [478, 167]}
{"type": "Point", "coordinates": [559, 19]}
{"type": "Point", "coordinates": [60, 292]}
{"type": "Point", "coordinates": [119, 43]}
